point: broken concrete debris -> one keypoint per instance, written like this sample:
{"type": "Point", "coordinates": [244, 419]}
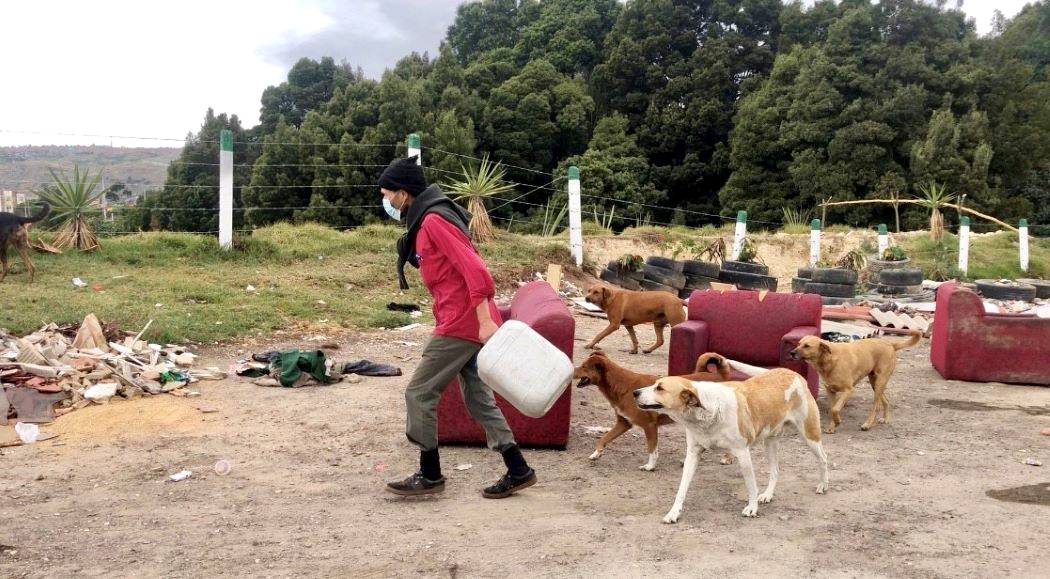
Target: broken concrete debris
{"type": "Point", "coordinates": [59, 369]}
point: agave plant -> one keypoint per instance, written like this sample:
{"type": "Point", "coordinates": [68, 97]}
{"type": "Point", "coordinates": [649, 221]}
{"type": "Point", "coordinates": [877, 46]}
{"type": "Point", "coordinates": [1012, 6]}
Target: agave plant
{"type": "Point", "coordinates": [553, 217]}
{"type": "Point", "coordinates": [934, 197]}
{"type": "Point", "coordinates": [72, 200]}
{"type": "Point", "coordinates": [478, 184]}
{"type": "Point", "coordinates": [795, 220]}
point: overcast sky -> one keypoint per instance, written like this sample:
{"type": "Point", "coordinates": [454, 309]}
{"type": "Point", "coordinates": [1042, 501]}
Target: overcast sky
{"type": "Point", "coordinates": [148, 69]}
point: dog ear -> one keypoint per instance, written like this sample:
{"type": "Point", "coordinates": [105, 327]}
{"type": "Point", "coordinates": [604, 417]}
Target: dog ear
{"type": "Point", "coordinates": [824, 348]}
{"type": "Point", "coordinates": [689, 398]}
{"type": "Point", "coordinates": [605, 294]}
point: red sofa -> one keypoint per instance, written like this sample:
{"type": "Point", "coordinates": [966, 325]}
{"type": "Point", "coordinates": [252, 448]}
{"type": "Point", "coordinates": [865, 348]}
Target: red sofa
{"type": "Point", "coordinates": [969, 344]}
{"type": "Point", "coordinates": [738, 326]}
{"type": "Point", "coordinates": [539, 306]}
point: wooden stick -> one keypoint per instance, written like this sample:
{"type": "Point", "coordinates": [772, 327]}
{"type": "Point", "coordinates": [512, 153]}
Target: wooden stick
{"type": "Point", "coordinates": [917, 201]}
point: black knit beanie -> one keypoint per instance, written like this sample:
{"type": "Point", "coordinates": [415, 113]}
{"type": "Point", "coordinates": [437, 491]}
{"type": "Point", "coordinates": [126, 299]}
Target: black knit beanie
{"type": "Point", "coordinates": [404, 174]}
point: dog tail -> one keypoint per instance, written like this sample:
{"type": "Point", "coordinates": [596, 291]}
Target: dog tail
{"type": "Point", "coordinates": [914, 339]}
{"type": "Point", "coordinates": [747, 368]}
{"type": "Point", "coordinates": [44, 212]}
{"type": "Point", "coordinates": [708, 358]}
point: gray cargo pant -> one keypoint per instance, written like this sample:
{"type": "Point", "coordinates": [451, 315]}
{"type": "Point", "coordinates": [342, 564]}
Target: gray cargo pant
{"type": "Point", "coordinates": [443, 359]}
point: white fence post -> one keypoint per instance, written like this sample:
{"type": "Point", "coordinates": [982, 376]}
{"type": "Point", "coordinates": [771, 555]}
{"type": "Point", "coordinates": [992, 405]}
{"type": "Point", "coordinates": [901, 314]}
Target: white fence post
{"type": "Point", "coordinates": [964, 244]}
{"type": "Point", "coordinates": [884, 239]}
{"type": "Point", "coordinates": [226, 189]}
{"type": "Point", "coordinates": [738, 235]}
{"type": "Point", "coordinates": [1022, 234]}
{"type": "Point", "coordinates": [415, 148]}
{"type": "Point", "coordinates": [814, 242]}
{"type": "Point", "coordinates": [575, 225]}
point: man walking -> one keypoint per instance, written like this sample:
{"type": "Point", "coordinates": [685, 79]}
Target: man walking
{"type": "Point", "coordinates": [438, 243]}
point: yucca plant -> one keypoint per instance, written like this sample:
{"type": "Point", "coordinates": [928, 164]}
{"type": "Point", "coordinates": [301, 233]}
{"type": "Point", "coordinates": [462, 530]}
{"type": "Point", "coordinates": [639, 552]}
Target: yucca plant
{"type": "Point", "coordinates": [72, 200]}
{"type": "Point", "coordinates": [478, 184]}
{"type": "Point", "coordinates": [934, 197]}
{"type": "Point", "coordinates": [795, 220]}
{"type": "Point", "coordinates": [553, 215]}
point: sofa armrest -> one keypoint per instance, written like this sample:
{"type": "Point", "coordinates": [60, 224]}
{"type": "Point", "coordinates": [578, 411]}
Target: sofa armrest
{"type": "Point", "coordinates": [689, 339]}
{"type": "Point", "coordinates": [504, 312]}
{"type": "Point", "coordinates": [790, 342]}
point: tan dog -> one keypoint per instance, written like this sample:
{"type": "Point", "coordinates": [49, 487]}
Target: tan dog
{"type": "Point", "coordinates": [630, 308]}
{"type": "Point", "coordinates": [735, 416]}
{"type": "Point", "coordinates": [618, 384]}
{"type": "Point", "coordinates": [843, 365]}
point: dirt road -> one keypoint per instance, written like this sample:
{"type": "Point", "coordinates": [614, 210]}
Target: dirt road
{"type": "Point", "coordinates": [305, 493]}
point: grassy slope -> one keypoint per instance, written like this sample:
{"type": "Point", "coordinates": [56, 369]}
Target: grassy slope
{"type": "Point", "coordinates": [201, 290]}
{"type": "Point", "coordinates": [991, 256]}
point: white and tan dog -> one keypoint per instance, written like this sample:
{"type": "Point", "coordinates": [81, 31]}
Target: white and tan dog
{"type": "Point", "coordinates": [734, 416]}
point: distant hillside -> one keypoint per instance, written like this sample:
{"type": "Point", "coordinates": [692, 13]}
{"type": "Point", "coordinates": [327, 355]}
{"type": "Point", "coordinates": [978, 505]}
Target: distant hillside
{"type": "Point", "coordinates": [23, 169]}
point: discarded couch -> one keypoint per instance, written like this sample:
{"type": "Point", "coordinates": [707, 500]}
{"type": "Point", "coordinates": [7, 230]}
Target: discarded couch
{"type": "Point", "coordinates": [970, 344]}
{"type": "Point", "coordinates": [740, 326]}
{"type": "Point", "coordinates": [539, 306]}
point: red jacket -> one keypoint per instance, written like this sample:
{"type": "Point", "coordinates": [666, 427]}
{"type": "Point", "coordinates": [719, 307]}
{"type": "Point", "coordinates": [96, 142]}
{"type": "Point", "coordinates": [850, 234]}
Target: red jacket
{"type": "Point", "coordinates": [456, 276]}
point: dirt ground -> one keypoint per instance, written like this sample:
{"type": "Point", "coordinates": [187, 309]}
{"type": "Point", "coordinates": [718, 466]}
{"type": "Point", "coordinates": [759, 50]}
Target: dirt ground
{"type": "Point", "coordinates": [305, 493]}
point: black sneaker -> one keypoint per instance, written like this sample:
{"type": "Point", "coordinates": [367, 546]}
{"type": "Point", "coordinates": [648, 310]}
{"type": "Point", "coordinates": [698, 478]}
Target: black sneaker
{"type": "Point", "coordinates": [508, 485]}
{"type": "Point", "coordinates": [416, 485]}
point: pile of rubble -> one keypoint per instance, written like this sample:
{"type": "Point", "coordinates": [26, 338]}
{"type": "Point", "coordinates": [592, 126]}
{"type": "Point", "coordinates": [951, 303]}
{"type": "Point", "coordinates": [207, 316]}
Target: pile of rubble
{"type": "Point", "coordinates": [55, 371]}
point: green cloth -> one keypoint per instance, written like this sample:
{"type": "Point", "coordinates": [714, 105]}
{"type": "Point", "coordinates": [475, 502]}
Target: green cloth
{"type": "Point", "coordinates": [290, 364]}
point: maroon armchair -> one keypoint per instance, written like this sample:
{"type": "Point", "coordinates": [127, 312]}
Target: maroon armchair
{"type": "Point", "coordinates": [739, 326]}
{"type": "Point", "coordinates": [969, 344]}
{"type": "Point", "coordinates": [539, 306]}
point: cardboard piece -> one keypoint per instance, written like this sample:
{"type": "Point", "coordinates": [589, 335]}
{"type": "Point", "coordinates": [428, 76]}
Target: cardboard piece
{"type": "Point", "coordinates": [554, 276]}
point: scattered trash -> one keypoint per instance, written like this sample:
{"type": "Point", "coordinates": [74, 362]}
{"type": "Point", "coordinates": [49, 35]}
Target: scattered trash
{"type": "Point", "coordinates": [206, 408]}
{"type": "Point", "coordinates": [595, 430]}
{"type": "Point", "coordinates": [71, 366]}
{"type": "Point", "coordinates": [353, 378]}
{"type": "Point", "coordinates": [292, 368]}
{"type": "Point", "coordinates": [222, 467]}
{"type": "Point", "coordinates": [467, 466]}
{"type": "Point", "coordinates": [1033, 462]}
{"type": "Point", "coordinates": [409, 327]}
{"type": "Point", "coordinates": [27, 433]}
{"type": "Point", "coordinates": [79, 282]}
{"type": "Point", "coordinates": [249, 288]}
{"type": "Point", "coordinates": [396, 307]}
{"type": "Point", "coordinates": [1045, 432]}
{"type": "Point", "coordinates": [379, 467]}
{"type": "Point", "coordinates": [181, 475]}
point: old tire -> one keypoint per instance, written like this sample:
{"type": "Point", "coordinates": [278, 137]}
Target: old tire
{"type": "Point", "coordinates": [665, 276]}
{"type": "Point", "coordinates": [994, 290]}
{"type": "Point", "coordinates": [831, 290]}
{"type": "Point", "coordinates": [699, 281]}
{"type": "Point", "coordinates": [798, 284]}
{"type": "Point", "coordinates": [898, 290]}
{"type": "Point", "coordinates": [805, 272]}
{"type": "Point", "coordinates": [616, 279]}
{"type": "Point", "coordinates": [908, 276]}
{"type": "Point", "coordinates": [834, 275]}
{"type": "Point", "coordinates": [666, 263]}
{"type": "Point", "coordinates": [744, 280]}
{"type": "Point", "coordinates": [652, 286]}
{"type": "Point", "coordinates": [1042, 287]}
{"type": "Point", "coordinates": [829, 301]}
{"type": "Point", "coordinates": [744, 267]}
{"type": "Point", "coordinates": [696, 268]}
{"type": "Point", "coordinates": [876, 265]}
{"type": "Point", "coordinates": [635, 275]}
{"type": "Point", "coordinates": [684, 293]}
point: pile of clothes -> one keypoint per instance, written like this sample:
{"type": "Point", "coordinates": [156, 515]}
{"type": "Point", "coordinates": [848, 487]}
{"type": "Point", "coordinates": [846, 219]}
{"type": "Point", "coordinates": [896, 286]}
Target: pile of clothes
{"type": "Point", "coordinates": [295, 368]}
{"type": "Point", "coordinates": [59, 369]}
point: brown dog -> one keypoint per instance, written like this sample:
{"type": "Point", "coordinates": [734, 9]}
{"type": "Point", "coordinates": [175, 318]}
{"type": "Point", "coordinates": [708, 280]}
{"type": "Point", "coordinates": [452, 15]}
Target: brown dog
{"type": "Point", "coordinates": [630, 308]}
{"type": "Point", "coordinates": [617, 384]}
{"type": "Point", "coordinates": [843, 365]}
{"type": "Point", "coordinates": [14, 232]}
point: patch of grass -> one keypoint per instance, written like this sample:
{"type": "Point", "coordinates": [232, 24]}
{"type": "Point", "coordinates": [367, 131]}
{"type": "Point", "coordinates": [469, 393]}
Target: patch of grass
{"type": "Point", "coordinates": [305, 276]}
{"type": "Point", "coordinates": [795, 229]}
{"type": "Point", "coordinates": [991, 256]}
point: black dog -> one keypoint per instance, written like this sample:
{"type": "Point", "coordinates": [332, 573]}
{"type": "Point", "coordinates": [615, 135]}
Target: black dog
{"type": "Point", "coordinates": [14, 232]}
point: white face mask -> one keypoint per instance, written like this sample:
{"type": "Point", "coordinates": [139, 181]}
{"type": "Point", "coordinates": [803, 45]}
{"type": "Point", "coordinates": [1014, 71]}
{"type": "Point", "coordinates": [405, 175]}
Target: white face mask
{"type": "Point", "coordinates": [392, 211]}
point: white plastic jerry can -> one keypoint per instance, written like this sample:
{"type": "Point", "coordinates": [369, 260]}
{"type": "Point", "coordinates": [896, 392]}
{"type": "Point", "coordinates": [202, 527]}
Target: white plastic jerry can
{"type": "Point", "coordinates": [523, 367]}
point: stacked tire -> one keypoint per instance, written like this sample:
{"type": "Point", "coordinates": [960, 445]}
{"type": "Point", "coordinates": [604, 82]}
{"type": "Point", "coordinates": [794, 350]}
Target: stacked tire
{"type": "Point", "coordinates": [899, 282]}
{"type": "Point", "coordinates": [832, 284]}
{"type": "Point", "coordinates": [618, 276]}
{"type": "Point", "coordinates": [804, 276]}
{"type": "Point", "coordinates": [1042, 287]}
{"type": "Point", "coordinates": [663, 274]}
{"type": "Point", "coordinates": [698, 276]}
{"type": "Point", "coordinates": [744, 275]}
{"type": "Point", "coordinates": [1007, 290]}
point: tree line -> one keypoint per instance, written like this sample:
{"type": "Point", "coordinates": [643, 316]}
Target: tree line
{"type": "Point", "coordinates": [674, 111]}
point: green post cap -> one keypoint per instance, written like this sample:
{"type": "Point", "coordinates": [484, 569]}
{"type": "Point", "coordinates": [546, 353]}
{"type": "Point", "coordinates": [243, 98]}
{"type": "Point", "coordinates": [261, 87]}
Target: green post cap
{"type": "Point", "coordinates": [964, 220]}
{"type": "Point", "coordinates": [226, 140]}
{"type": "Point", "coordinates": [1022, 223]}
{"type": "Point", "coordinates": [741, 216]}
{"type": "Point", "coordinates": [574, 172]}
{"type": "Point", "coordinates": [882, 229]}
{"type": "Point", "coordinates": [814, 225]}
{"type": "Point", "coordinates": [414, 141]}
